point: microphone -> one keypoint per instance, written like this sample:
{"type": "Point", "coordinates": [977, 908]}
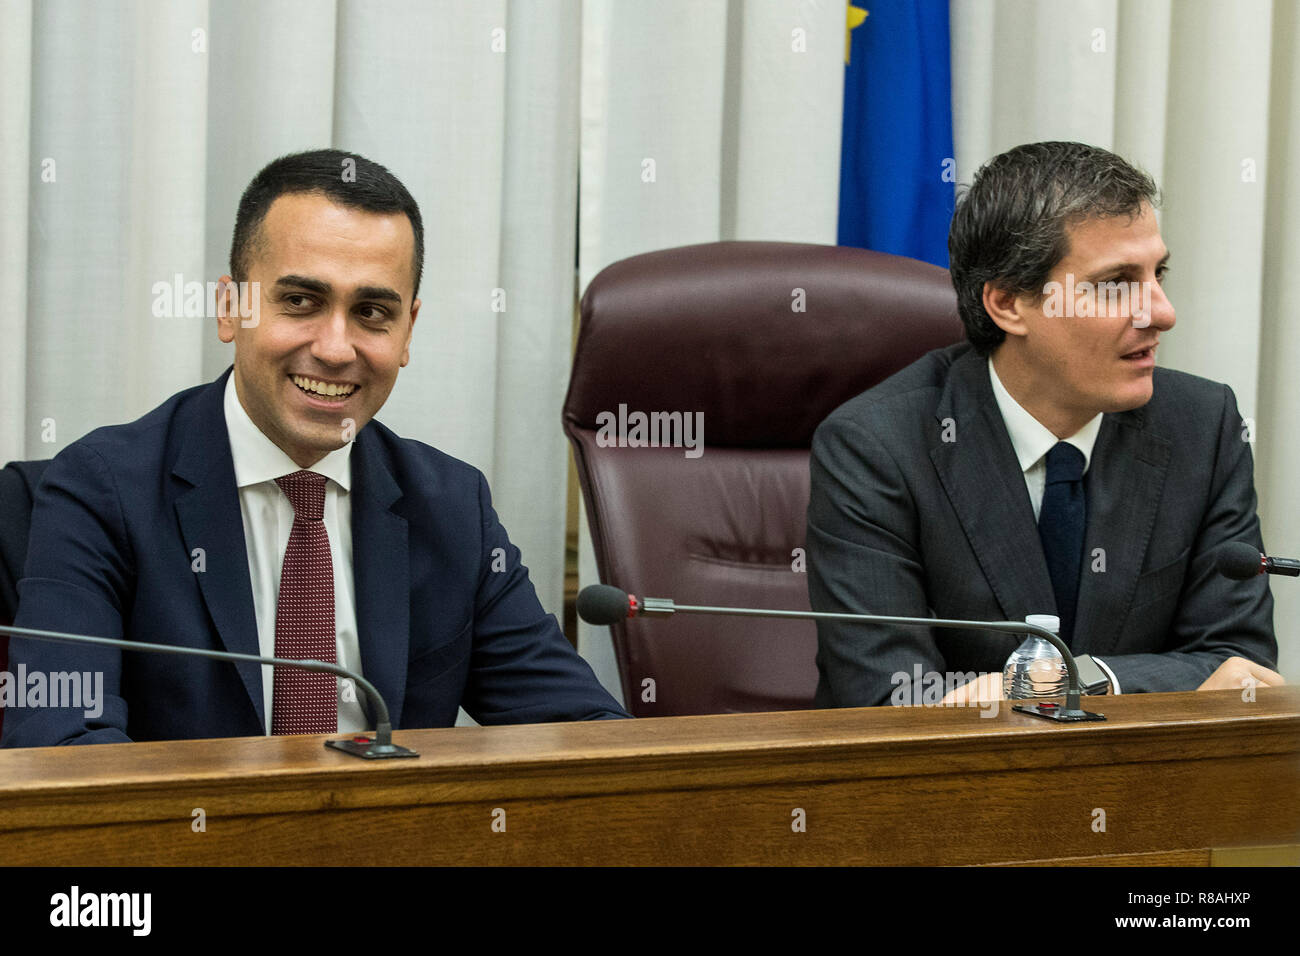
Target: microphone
{"type": "Point", "coordinates": [603, 604]}
{"type": "Point", "coordinates": [374, 748]}
{"type": "Point", "coordinates": [1240, 561]}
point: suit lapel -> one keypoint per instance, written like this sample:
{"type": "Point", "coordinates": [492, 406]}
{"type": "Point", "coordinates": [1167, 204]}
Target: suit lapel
{"type": "Point", "coordinates": [1125, 479]}
{"type": "Point", "coordinates": [210, 519]}
{"type": "Point", "coordinates": [984, 483]}
{"type": "Point", "coordinates": [380, 572]}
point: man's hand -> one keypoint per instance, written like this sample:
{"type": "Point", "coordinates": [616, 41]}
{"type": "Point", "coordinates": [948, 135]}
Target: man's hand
{"type": "Point", "coordinates": [985, 687]}
{"type": "Point", "coordinates": [1237, 672]}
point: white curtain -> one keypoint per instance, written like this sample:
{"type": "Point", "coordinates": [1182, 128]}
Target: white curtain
{"type": "Point", "coordinates": [704, 120]}
{"type": "Point", "coordinates": [1205, 95]}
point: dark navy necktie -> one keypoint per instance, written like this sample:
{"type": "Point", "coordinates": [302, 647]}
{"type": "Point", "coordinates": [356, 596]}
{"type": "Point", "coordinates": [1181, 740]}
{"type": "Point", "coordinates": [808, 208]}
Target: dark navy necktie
{"type": "Point", "coordinates": [1060, 527]}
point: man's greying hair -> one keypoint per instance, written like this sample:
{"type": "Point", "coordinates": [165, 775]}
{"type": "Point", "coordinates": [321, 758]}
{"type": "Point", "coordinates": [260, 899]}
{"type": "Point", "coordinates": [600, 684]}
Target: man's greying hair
{"type": "Point", "coordinates": [1010, 226]}
{"type": "Point", "coordinates": [367, 186]}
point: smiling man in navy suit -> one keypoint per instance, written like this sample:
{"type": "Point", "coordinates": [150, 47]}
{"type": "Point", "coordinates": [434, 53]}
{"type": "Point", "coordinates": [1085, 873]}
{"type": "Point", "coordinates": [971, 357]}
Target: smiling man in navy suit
{"type": "Point", "coordinates": [266, 513]}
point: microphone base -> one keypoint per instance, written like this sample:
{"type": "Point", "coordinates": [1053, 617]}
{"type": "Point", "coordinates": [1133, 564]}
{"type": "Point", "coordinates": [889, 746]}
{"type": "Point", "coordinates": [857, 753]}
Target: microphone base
{"type": "Point", "coordinates": [367, 749]}
{"type": "Point", "coordinates": [1053, 711]}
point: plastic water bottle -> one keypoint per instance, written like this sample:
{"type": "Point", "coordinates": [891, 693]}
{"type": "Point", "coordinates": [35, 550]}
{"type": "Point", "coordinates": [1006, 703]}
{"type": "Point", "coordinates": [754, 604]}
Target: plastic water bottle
{"type": "Point", "coordinates": [1036, 668]}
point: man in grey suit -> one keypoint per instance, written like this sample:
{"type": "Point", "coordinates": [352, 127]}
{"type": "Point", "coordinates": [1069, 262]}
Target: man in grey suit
{"type": "Point", "coordinates": [1043, 466]}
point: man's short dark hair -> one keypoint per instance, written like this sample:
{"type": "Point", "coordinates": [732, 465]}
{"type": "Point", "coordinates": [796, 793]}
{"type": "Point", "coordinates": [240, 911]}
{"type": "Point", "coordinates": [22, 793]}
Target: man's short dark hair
{"type": "Point", "coordinates": [1010, 227]}
{"type": "Point", "coordinates": [345, 178]}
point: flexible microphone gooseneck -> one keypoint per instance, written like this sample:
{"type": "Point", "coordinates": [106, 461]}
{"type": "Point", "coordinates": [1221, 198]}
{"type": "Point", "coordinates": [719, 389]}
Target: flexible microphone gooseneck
{"type": "Point", "coordinates": [604, 604]}
{"type": "Point", "coordinates": [381, 746]}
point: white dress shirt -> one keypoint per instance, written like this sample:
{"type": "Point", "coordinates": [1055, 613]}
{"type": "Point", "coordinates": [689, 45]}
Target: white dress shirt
{"type": "Point", "coordinates": [268, 519]}
{"type": "Point", "coordinates": [1032, 440]}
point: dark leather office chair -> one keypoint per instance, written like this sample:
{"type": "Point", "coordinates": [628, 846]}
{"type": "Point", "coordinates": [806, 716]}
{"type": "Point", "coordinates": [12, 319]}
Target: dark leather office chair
{"type": "Point", "coordinates": [765, 339]}
{"type": "Point", "coordinates": [18, 481]}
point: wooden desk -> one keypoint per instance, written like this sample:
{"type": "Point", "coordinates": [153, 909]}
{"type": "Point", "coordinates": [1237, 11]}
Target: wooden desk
{"type": "Point", "coordinates": [1177, 775]}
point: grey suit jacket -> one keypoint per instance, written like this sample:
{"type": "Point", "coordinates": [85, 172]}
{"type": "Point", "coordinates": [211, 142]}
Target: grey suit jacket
{"type": "Point", "coordinates": [919, 508]}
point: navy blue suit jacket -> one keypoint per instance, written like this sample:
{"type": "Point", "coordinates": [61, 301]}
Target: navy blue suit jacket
{"type": "Point", "coordinates": [116, 525]}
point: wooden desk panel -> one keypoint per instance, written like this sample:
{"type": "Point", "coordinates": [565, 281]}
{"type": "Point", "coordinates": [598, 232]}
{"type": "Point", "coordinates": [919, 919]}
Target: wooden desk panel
{"type": "Point", "coordinates": [1176, 775]}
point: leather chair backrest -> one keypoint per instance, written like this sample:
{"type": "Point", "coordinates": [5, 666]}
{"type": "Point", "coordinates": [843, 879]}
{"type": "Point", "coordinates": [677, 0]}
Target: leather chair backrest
{"type": "Point", "coordinates": [762, 340]}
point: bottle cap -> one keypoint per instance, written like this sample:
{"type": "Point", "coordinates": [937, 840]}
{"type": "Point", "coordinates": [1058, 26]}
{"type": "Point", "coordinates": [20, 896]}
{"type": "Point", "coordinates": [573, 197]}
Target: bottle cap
{"type": "Point", "coordinates": [1048, 622]}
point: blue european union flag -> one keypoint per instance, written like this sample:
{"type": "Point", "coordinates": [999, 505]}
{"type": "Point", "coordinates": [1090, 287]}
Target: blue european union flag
{"type": "Point", "coordinates": [896, 164]}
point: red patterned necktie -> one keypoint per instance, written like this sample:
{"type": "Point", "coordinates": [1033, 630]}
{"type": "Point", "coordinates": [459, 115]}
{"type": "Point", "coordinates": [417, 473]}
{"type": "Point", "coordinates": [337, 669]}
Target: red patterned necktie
{"type": "Point", "coordinates": [305, 702]}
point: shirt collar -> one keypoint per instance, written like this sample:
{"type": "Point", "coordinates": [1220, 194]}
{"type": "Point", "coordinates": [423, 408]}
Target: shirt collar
{"type": "Point", "coordinates": [1030, 438]}
{"type": "Point", "coordinates": [258, 459]}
